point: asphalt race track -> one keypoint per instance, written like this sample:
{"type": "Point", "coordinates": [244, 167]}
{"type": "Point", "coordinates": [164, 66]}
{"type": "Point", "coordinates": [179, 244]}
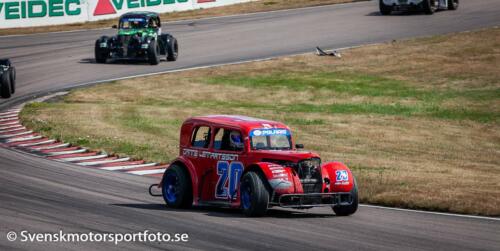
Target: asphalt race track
{"type": "Point", "coordinates": [51, 61]}
{"type": "Point", "coordinates": [39, 195]}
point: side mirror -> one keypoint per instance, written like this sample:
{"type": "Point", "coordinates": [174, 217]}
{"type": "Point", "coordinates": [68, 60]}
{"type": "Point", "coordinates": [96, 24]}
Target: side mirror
{"type": "Point", "coordinates": [114, 26]}
{"type": "Point", "coordinates": [299, 146]}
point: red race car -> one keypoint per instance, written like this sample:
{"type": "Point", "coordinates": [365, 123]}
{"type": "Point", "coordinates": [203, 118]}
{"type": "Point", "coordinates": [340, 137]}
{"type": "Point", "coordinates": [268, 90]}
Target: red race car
{"type": "Point", "coordinates": [252, 164]}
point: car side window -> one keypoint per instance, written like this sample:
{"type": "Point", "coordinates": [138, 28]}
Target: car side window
{"type": "Point", "coordinates": [228, 140]}
{"type": "Point", "coordinates": [201, 137]}
{"type": "Point", "coordinates": [219, 132]}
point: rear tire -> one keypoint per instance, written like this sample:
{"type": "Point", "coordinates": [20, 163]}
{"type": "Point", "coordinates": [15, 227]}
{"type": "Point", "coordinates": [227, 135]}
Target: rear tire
{"type": "Point", "coordinates": [384, 9]}
{"type": "Point", "coordinates": [176, 187]}
{"type": "Point", "coordinates": [101, 55]}
{"type": "Point", "coordinates": [453, 4]}
{"type": "Point", "coordinates": [154, 53]}
{"type": "Point", "coordinates": [254, 196]}
{"type": "Point", "coordinates": [5, 85]}
{"type": "Point", "coordinates": [12, 71]}
{"type": "Point", "coordinates": [350, 209]}
{"type": "Point", "coordinates": [172, 49]}
{"type": "Point", "coordinates": [429, 6]}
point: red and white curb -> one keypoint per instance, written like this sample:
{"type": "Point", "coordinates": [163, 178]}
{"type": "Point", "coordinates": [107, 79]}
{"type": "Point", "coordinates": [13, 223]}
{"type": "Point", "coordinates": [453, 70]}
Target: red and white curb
{"type": "Point", "coordinates": [14, 134]}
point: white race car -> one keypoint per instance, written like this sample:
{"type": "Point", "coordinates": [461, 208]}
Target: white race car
{"type": "Point", "coordinates": [428, 6]}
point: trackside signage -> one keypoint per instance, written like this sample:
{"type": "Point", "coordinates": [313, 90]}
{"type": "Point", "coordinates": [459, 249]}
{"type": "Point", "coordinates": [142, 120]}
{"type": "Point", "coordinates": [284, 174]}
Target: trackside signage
{"type": "Point", "coordinates": [22, 13]}
{"type": "Point", "coordinates": [29, 13]}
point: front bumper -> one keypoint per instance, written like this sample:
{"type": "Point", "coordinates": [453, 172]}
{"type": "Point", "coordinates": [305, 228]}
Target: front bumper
{"type": "Point", "coordinates": [411, 4]}
{"type": "Point", "coordinates": [402, 2]}
{"type": "Point", "coordinates": [313, 200]}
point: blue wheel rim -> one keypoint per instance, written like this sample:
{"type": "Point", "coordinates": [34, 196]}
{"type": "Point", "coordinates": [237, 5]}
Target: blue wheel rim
{"type": "Point", "coordinates": [170, 187]}
{"type": "Point", "coordinates": [246, 199]}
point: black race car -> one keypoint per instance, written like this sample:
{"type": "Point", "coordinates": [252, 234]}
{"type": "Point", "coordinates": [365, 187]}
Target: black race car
{"type": "Point", "coordinates": [139, 37]}
{"type": "Point", "coordinates": [7, 78]}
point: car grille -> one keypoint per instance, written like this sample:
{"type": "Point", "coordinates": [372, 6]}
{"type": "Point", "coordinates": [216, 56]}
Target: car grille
{"type": "Point", "coordinates": [124, 39]}
{"type": "Point", "coordinates": [310, 175]}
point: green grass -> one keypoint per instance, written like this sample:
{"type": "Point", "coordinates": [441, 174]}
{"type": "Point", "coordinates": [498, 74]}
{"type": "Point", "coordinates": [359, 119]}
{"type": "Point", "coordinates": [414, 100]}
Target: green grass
{"type": "Point", "coordinates": [344, 83]}
{"type": "Point", "coordinates": [354, 83]}
{"type": "Point", "coordinates": [359, 84]}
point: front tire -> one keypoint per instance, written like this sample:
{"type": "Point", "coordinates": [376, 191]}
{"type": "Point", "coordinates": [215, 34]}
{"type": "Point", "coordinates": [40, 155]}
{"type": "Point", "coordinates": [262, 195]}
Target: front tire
{"type": "Point", "coordinates": [12, 71]}
{"type": "Point", "coordinates": [453, 4]}
{"type": "Point", "coordinates": [172, 49]}
{"type": "Point", "coordinates": [101, 55]}
{"type": "Point", "coordinates": [176, 187]}
{"type": "Point", "coordinates": [429, 6]}
{"type": "Point", "coordinates": [349, 209]}
{"type": "Point", "coordinates": [254, 196]}
{"type": "Point", "coordinates": [154, 53]}
{"type": "Point", "coordinates": [5, 85]}
{"type": "Point", "coordinates": [384, 9]}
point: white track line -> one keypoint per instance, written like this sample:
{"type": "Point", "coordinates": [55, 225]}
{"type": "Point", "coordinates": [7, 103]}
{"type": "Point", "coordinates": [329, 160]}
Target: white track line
{"type": "Point", "coordinates": [15, 135]}
{"type": "Point", "coordinates": [435, 213]}
{"type": "Point", "coordinates": [50, 147]}
{"type": "Point", "coordinates": [8, 116]}
{"type": "Point", "coordinates": [2, 120]}
{"type": "Point", "coordinates": [8, 113]}
{"type": "Point", "coordinates": [21, 139]}
{"type": "Point", "coordinates": [10, 123]}
{"type": "Point", "coordinates": [50, 141]}
{"type": "Point", "coordinates": [115, 168]}
{"type": "Point", "coordinates": [67, 152]}
{"type": "Point", "coordinates": [100, 162]}
{"type": "Point", "coordinates": [84, 158]}
{"type": "Point", "coordinates": [11, 127]}
{"type": "Point", "coordinates": [144, 172]}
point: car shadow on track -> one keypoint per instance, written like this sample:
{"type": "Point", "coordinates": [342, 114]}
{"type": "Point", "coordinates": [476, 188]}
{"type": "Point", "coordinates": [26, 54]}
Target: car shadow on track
{"type": "Point", "coordinates": [229, 212]}
{"type": "Point", "coordinates": [116, 61]}
{"type": "Point", "coordinates": [396, 13]}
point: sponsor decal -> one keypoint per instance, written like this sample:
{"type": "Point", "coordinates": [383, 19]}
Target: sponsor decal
{"type": "Point", "coordinates": [269, 132]}
{"type": "Point", "coordinates": [209, 155]}
{"type": "Point", "coordinates": [40, 8]}
{"type": "Point", "coordinates": [108, 7]}
{"type": "Point", "coordinates": [342, 177]}
{"type": "Point", "coordinates": [280, 183]}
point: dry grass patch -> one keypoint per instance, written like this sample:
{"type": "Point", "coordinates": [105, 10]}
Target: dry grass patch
{"type": "Point", "coordinates": [243, 8]}
{"type": "Point", "coordinates": [414, 136]}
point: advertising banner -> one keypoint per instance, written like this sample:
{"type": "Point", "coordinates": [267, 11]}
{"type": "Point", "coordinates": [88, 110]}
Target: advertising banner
{"type": "Point", "coordinates": [29, 13]}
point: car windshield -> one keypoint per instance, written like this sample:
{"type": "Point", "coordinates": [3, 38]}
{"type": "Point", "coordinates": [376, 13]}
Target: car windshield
{"type": "Point", "coordinates": [133, 23]}
{"type": "Point", "coordinates": [271, 139]}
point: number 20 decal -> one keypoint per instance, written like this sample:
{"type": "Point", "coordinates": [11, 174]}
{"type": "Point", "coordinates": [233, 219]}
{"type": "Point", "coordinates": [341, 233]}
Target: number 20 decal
{"type": "Point", "coordinates": [229, 178]}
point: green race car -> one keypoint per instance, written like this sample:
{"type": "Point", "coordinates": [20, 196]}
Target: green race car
{"type": "Point", "coordinates": [139, 37]}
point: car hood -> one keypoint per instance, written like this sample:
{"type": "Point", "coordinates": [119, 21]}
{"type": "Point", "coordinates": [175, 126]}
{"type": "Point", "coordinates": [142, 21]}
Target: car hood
{"type": "Point", "coordinates": [291, 155]}
{"type": "Point", "coordinates": [135, 31]}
